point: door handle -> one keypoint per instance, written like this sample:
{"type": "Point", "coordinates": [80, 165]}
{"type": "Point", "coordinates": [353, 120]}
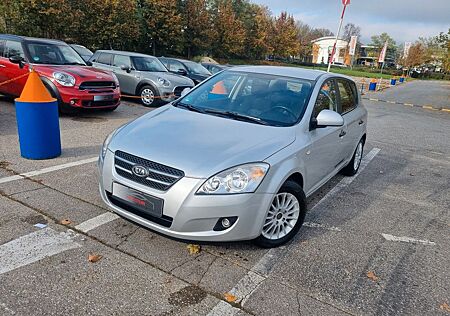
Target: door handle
{"type": "Point", "coordinates": [361, 122]}
{"type": "Point", "coordinates": [342, 133]}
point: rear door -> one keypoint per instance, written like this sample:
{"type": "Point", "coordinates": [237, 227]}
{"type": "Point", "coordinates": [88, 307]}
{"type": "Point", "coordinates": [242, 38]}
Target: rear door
{"type": "Point", "coordinates": [325, 152]}
{"type": "Point", "coordinates": [128, 81]}
{"type": "Point", "coordinates": [352, 113]}
{"type": "Point", "coordinates": [102, 60]}
{"type": "Point", "coordinates": [9, 70]}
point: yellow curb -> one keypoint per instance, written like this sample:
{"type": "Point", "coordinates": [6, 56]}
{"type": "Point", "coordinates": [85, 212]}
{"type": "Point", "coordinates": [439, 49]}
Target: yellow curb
{"type": "Point", "coordinates": [429, 108]}
{"type": "Point", "coordinates": [445, 110]}
{"type": "Point", "coordinates": [373, 99]}
{"type": "Point", "coordinates": [408, 104]}
{"type": "Point", "coordinates": [390, 102]}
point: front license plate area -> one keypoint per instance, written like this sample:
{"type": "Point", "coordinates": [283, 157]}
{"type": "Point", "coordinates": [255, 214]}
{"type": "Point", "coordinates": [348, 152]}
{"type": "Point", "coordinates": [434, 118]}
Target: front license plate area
{"type": "Point", "coordinates": [141, 201]}
{"type": "Point", "coordinates": [106, 97]}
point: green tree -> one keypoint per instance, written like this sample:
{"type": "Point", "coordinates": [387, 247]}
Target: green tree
{"type": "Point", "coordinates": [284, 38]}
{"type": "Point", "coordinates": [161, 26]}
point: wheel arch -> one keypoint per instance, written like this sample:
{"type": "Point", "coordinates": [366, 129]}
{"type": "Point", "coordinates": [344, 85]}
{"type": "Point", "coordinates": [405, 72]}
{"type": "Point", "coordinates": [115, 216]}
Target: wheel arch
{"type": "Point", "coordinates": [146, 83]}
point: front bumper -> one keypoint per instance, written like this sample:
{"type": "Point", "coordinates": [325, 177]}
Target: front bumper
{"type": "Point", "coordinates": [193, 216]}
{"type": "Point", "coordinates": [73, 97]}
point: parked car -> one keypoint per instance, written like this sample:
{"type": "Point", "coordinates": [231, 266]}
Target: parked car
{"type": "Point", "coordinates": [142, 75]}
{"type": "Point", "coordinates": [65, 74]}
{"type": "Point", "coordinates": [186, 68]}
{"type": "Point", "coordinates": [236, 157]}
{"type": "Point", "coordinates": [84, 52]}
{"type": "Point", "coordinates": [214, 68]}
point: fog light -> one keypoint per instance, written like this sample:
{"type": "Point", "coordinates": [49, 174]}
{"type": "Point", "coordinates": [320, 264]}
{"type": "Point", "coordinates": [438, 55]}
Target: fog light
{"type": "Point", "coordinates": [72, 102]}
{"type": "Point", "coordinates": [226, 223]}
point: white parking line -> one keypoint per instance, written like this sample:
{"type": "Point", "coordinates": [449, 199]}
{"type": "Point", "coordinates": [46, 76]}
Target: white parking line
{"type": "Point", "coordinates": [47, 170]}
{"type": "Point", "coordinates": [97, 221]}
{"type": "Point", "coordinates": [408, 239]}
{"type": "Point", "coordinates": [34, 247]}
{"type": "Point", "coordinates": [260, 271]}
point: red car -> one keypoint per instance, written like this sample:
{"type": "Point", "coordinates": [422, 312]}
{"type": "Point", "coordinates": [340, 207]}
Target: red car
{"type": "Point", "coordinates": [65, 74]}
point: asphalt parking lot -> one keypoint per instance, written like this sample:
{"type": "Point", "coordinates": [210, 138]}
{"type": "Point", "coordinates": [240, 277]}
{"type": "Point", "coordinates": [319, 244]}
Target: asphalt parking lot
{"type": "Point", "coordinates": [374, 244]}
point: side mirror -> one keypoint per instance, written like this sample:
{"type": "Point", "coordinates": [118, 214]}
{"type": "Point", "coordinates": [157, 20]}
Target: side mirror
{"type": "Point", "coordinates": [126, 68]}
{"type": "Point", "coordinates": [182, 72]}
{"type": "Point", "coordinates": [89, 63]}
{"type": "Point", "coordinates": [328, 118]}
{"type": "Point", "coordinates": [185, 91]}
{"type": "Point", "coordinates": [17, 59]}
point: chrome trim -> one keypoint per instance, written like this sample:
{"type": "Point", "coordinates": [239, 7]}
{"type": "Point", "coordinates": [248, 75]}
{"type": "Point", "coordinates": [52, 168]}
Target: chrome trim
{"type": "Point", "coordinates": [149, 169]}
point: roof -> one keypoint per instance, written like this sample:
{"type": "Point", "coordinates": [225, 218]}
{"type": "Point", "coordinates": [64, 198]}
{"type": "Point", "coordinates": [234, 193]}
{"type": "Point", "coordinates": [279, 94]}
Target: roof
{"type": "Point", "coordinates": [30, 39]}
{"type": "Point", "coordinates": [120, 52]}
{"type": "Point", "coordinates": [327, 38]}
{"type": "Point", "coordinates": [295, 72]}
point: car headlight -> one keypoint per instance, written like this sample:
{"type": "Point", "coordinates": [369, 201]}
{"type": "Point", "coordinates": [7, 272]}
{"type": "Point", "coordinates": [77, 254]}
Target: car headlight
{"type": "Point", "coordinates": [164, 82]}
{"type": "Point", "coordinates": [116, 80]}
{"type": "Point", "coordinates": [106, 144]}
{"type": "Point", "coordinates": [240, 179]}
{"type": "Point", "coordinates": [64, 79]}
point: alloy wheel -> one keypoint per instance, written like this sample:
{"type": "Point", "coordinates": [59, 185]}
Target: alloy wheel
{"type": "Point", "coordinates": [147, 96]}
{"type": "Point", "coordinates": [358, 156]}
{"type": "Point", "coordinates": [282, 216]}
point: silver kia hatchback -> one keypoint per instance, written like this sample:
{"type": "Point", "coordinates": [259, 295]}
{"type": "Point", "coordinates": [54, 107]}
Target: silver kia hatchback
{"type": "Point", "coordinates": [236, 157]}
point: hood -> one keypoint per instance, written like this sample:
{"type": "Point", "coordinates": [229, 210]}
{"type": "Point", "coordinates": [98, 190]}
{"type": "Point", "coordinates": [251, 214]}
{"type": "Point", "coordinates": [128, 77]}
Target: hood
{"type": "Point", "coordinates": [175, 79]}
{"type": "Point", "coordinates": [82, 73]}
{"type": "Point", "coordinates": [199, 144]}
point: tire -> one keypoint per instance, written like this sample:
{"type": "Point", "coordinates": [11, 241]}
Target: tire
{"type": "Point", "coordinates": [353, 166]}
{"type": "Point", "coordinates": [283, 218]}
{"type": "Point", "coordinates": [149, 96]}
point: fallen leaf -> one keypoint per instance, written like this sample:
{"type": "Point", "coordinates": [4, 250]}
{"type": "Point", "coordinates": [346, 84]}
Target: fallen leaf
{"type": "Point", "coordinates": [65, 222]}
{"type": "Point", "coordinates": [193, 249]}
{"type": "Point", "coordinates": [94, 258]}
{"type": "Point", "coordinates": [445, 307]}
{"type": "Point", "coordinates": [372, 276]}
{"type": "Point", "coordinates": [230, 298]}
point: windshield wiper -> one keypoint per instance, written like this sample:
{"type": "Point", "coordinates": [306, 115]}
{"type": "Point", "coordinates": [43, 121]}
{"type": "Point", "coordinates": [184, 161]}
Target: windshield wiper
{"type": "Point", "coordinates": [237, 116]}
{"type": "Point", "coordinates": [74, 63]}
{"type": "Point", "coordinates": [188, 107]}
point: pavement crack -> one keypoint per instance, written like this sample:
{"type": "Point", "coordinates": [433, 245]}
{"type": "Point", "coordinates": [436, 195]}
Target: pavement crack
{"type": "Point", "coordinates": [125, 237]}
{"type": "Point", "coordinates": [206, 271]}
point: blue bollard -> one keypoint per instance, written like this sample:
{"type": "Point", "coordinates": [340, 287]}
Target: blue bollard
{"type": "Point", "coordinates": [402, 79]}
{"type": "Point", "coordinates": [393, 82]}
{"type": "Point", "coordinates": [372, 86]}
{"type": "Point", "coordinates": [37, 121]}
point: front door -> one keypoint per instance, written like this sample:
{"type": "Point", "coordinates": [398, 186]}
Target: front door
{"type": "Point", "coordinates": [127, 79]}
{"type": "Point", "coordinates": [325, 152]}
{"type": "Point", "coordinates": [9, 71]}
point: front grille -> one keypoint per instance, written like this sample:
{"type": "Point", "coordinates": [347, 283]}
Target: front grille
{"type": "Point", "coordinates": [97, 85]}
{"type": "Point", "coordinates": [165, 221]}
{"type": "Point", "coordinates": [177, 91]}
{"type": "Point", "coordinates": [160, 177]}
{"type": "Point", "coordinates": [87, 103]}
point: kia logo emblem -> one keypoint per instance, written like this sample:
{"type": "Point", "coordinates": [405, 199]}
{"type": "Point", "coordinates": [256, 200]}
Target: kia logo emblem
{"type": "Point", "coordinates": [140, 171]}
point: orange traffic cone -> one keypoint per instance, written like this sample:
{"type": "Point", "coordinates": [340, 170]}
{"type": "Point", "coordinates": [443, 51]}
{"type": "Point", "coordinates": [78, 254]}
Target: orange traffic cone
{"type": "Point", "coordinates": [34, 90]}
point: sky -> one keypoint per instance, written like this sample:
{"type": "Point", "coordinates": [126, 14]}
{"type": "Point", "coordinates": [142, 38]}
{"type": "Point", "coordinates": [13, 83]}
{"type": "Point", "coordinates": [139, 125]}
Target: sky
{"type": "Point", "coordinates": [404, 20]}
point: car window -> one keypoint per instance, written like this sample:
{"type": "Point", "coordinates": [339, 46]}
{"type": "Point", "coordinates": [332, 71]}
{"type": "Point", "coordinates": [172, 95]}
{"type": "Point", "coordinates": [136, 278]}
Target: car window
{"type": "Point", "coordinates": [121, 60]}
{"type": "Point", "coordinates": [326, 100]}
{"type": "Point", "coordinates": [2, 48]}
{"type": "Point", "coordinates": [53, 54]}
{"type": "Point", "coordinates": [274, 100]}
{"type": "Point", "coordinates": [148, 64]}
{"type": "Point", "coordinates": [175, 65]}
{"type": "Point", "coordinates": [13, 48]}
{"type": "Point", "coordinates": [347, 96]}
{"type": "Point", "coordinates": [104, 58]}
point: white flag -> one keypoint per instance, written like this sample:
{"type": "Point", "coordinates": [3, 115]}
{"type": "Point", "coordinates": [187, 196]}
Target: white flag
{"type": "Point", "coordinates": [383, 53]}
{"type": "Point", "coordinates": [352, 49]}
{"type": "Point", "coordinates": [406, 50]}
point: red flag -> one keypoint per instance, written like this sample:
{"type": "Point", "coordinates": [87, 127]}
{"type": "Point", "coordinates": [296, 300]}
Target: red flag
{"type": "Point", "coordinates": [345, 2]}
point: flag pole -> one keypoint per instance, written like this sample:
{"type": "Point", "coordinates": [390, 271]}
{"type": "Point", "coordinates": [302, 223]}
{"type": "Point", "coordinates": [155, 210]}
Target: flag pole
{"type": "Point", "coordinates": [337, 36]}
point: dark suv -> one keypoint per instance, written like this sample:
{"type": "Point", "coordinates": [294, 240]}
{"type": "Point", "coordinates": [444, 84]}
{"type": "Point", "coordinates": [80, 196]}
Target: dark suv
{"type": "Point", "coordinates": [186, 68]}
{"type": "Point", "coordinates": [65, 74]}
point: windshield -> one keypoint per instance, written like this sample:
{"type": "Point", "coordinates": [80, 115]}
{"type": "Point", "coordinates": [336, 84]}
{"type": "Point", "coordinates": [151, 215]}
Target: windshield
{"type": "Point", "coordinates": [258, 98]}
{"type": "Point", "coordinates": [82, 50]}
{"type": "Point", "coordinates": [148, 64]}
{"type": "Point", "coordinates": [54, 54]}
{"type": "Point", "coordinates": [197, 68]}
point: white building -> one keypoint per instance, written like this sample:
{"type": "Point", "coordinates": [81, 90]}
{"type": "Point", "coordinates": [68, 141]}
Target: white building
{"type": "Point", "coordinates": [322, 48]}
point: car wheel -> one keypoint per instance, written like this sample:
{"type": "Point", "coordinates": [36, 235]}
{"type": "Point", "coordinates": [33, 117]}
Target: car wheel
{"type": "Point", "coordinates": [285, 216]}
{"type": "Point", "coordinates": [148, 95]}
{"type": "Point", "coordinates": [353, 166]}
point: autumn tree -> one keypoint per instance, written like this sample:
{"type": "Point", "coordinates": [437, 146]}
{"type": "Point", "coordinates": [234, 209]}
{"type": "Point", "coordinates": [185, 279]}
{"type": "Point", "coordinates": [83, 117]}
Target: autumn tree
{"type": "Point", "coordinates": [284, 39]}
{"type": "Point", "coordinates": [229, 32]}
{"type": "Point", "coordinates": [196, 25]}
{"type": "Point", "coordinates": [350, 30]}
{"type": "Point", "coordinates": [161, 27]}
{"type": "Point", "coordinates": [416, 55]}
